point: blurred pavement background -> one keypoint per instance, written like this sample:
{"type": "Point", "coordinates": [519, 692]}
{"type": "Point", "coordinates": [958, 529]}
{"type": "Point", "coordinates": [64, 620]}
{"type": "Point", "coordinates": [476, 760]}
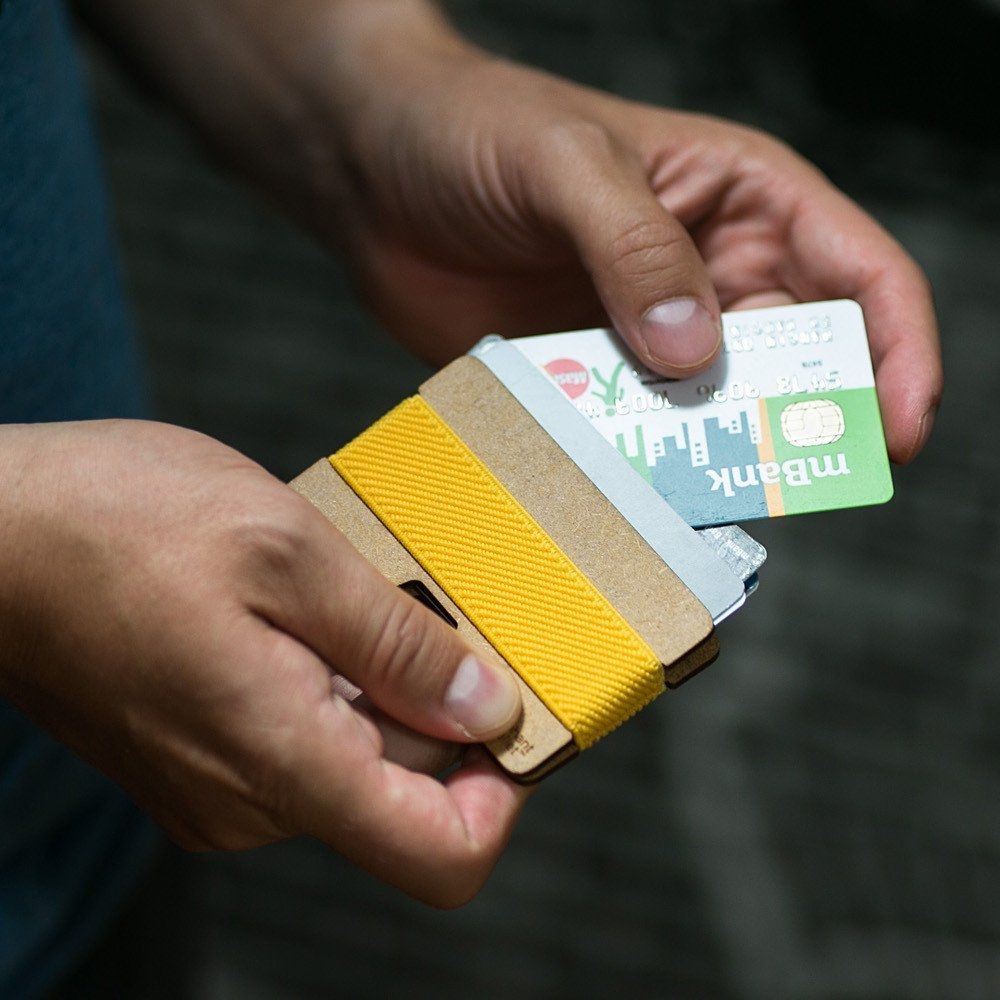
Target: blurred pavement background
{"type": "Point", "coordinates": [817, 815]}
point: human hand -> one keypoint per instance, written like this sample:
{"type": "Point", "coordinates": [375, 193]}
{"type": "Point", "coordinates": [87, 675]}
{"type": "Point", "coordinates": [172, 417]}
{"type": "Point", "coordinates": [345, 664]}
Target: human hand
{"type": "Point", "coordinates": [475, 196]}
{"type": "Point", "coordinates": [176, 616]}
{"type": "Point", "coordinates": [491, 198]}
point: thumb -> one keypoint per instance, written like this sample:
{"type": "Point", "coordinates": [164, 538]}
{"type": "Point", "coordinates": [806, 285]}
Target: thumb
{"type": "Point", "coordinates": [644, 264]}
{"type": "Point", "coordinates": [410, 663]}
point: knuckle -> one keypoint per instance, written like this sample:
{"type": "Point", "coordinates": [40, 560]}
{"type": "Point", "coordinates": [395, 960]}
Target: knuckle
{"type": "Point", "coordinates": [273, 545]}
{"type": "Point", "coordinates": [555, 147]}
{"type": "Point", "coordinates": [765, 144]}
{"type": "Point", "coordinates": [753, 152]}
{"type": "Point", "coordinates": [402, 642]}
{"type": "Point", "coordinates": [580, 136]}
{"type": "Point", "coordinates": [753, 142]}
{"type": "Point", "coordinates": [649, 247]}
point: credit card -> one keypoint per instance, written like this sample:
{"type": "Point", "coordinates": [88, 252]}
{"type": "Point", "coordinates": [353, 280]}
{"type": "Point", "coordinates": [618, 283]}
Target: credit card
{"type": "Point", "coordinates": [785, 422]}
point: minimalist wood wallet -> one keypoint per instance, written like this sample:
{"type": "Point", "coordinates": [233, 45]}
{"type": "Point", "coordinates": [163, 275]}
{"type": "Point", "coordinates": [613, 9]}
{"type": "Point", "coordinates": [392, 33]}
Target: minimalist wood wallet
{"type": "Point", "coordinates": [461, 498]}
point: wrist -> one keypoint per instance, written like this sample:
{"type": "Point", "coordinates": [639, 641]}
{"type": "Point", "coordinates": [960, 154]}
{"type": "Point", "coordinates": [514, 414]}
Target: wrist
{"type": "Point", "coordinates": [381, 52]}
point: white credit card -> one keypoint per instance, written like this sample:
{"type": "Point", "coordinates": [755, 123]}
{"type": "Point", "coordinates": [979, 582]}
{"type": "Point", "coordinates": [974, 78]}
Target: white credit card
{"type": "Point", "coordinates": [785, 422]}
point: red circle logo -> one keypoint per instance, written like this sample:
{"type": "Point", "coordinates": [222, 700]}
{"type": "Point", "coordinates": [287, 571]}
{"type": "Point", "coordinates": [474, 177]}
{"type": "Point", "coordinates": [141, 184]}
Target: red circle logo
{"type": "Point", "coordinates": [569, 375]}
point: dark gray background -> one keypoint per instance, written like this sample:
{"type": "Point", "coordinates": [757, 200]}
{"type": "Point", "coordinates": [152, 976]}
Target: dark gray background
{"type": "Point", "coordinates": [815, 816]}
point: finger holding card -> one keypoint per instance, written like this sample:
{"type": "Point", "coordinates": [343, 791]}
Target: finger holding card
{"type": "Point", "coordinates": [837, 250]}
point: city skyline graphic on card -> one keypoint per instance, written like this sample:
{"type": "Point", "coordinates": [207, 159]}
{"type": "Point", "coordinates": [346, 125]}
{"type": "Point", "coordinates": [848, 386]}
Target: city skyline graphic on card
{"type": "Point", "coordinates": [785, 422]}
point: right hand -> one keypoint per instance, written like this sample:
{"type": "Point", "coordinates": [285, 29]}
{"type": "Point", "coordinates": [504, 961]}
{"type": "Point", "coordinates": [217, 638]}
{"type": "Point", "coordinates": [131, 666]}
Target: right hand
{"type": "Point", "coordinates": [176, 615]}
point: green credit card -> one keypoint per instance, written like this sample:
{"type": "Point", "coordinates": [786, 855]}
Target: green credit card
{"type": "Point", "coordinates": [785, 422]}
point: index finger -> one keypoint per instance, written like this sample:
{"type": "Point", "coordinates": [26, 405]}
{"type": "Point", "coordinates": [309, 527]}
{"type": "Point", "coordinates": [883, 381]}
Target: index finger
{"type": "Point", "coordinates": [838, 251]}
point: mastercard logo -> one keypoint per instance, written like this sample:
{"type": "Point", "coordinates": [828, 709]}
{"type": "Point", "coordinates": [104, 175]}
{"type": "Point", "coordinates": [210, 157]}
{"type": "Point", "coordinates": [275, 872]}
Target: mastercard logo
{"type": "Point", "coordinates": [569, 375]}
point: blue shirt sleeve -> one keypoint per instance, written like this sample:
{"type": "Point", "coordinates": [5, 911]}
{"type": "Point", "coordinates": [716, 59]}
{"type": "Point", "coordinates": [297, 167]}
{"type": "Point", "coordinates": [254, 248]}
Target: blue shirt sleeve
{"type": "Point", "coordinates": [71, 844]}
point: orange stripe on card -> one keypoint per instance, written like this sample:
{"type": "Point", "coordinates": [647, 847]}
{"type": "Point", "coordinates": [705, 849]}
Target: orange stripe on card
{"type": "Point", "coordinates": [765, 450]}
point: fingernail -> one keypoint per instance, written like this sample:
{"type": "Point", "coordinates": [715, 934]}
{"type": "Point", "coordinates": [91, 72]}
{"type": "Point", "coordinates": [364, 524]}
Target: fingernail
{"type": "Point", "coordinates": [482, 699]}
{"type": "Point", "coordinates": [681, 333]}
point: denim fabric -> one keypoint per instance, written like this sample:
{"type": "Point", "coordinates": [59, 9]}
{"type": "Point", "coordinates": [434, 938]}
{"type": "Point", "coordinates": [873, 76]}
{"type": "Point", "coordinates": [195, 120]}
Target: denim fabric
{"type": "Point", "coordinates": [70, 842]}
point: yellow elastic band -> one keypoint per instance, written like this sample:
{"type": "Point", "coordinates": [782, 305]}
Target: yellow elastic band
{"type": "Point", "coordinates": [544, 617]}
